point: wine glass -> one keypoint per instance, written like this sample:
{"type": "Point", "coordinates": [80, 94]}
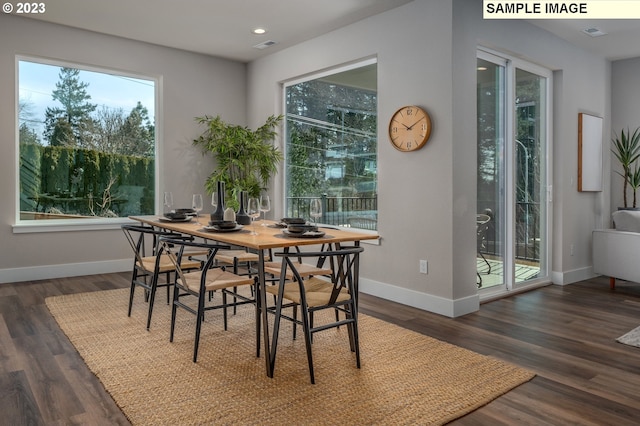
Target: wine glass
{"type": "Point", "coordinates": [168, 202]}
{"type": "Point", "coordinates": [214, 200]}
{"type": "Point", "coordinates": [265, 206]}
{"type": "Point", "coordinates": [253, 210]}
{"type": "Point", "coordinates": [315, 209]}
{"type": "Point", "coordinates": [197, 206]}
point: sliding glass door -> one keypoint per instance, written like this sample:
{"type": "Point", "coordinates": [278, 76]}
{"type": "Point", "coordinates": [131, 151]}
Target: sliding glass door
{"type": "Point", "coordinates": [513, 173]}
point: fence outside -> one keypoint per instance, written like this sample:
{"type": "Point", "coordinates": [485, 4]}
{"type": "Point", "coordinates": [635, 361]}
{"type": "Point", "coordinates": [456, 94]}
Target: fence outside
{"type": "Point", "coordinates": [338, 211]}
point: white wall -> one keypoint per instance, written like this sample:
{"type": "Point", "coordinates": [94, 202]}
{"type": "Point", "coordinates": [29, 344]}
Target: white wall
{"type": "Point", "coordinates": [625, 95]}
{"type": "Point", "coordinates": [192, 85]}
{"type": "Point", "coordinates": [426, 53]}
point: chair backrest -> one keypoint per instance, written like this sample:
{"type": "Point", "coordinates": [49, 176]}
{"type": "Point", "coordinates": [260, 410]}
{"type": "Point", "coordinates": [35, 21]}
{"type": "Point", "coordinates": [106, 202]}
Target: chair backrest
{"type": "Point", "coordinates": [344, 263]}
{"type": "Point", "coordinates": [137, 236]}
{"type": "Point", "coordinates": [174, 249]}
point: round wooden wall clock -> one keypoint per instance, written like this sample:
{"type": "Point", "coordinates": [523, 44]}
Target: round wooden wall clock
{"type": "Point", "coordinates": [409, 128]}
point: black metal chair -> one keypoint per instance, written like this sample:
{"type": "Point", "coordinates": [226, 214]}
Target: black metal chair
{"type": "Point", "coordinates": [148, 264]}
{"type": "Point", "coordinates": [203, 281]}
{"type": "Point", "coordinates": [339, 292]}
{"type": "Point", "coordinates": [305, 270]}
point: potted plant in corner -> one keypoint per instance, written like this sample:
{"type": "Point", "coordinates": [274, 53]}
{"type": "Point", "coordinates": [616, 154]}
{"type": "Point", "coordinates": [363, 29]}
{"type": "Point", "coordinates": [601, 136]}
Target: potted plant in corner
{"type": "Point", "coordinates": [626, 148]}
{"type": "Point", "coordinates": [245, 159]}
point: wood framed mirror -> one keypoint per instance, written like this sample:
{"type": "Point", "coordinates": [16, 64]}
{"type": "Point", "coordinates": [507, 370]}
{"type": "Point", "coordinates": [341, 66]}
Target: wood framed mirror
{"type": "Point", "coordinates": [589, 153]}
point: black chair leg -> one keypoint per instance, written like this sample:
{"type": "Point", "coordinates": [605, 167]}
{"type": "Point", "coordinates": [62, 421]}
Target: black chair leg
{"type": "Point", "coordinates": [485, 261]}
{"type": "Point", "coordinates": [224, 309]}
{"type": "Point", "coordinates": [131, 292]}
{"type": "Point", "coordinates": [152, 297]}
{"type": "Point", "coordinates": [307, 343]}
{"type": "Point", "coordinates": [174, 308]}
{"type": "Point", "coordinates": [235, 289]}
{"type": "Point", "coordinates": [199, 321]}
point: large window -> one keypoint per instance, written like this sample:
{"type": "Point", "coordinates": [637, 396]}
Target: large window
{"type": "Point", "coordinates": [331, 146]}
{"type": "Point", "coordinates": [87, 143]}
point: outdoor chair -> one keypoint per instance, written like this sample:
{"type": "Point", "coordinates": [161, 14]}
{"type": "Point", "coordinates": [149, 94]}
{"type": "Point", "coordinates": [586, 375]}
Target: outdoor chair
{"type": "Point", "coordinates": [482, 225]}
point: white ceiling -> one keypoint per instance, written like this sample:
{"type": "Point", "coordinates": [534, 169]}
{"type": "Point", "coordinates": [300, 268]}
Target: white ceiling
{"type": "Point", "coordinates": [222, 27]}
{"type": "Point", "coordinates": [214, 27]}
{"type": "Point", "coordinates": [621, 41]}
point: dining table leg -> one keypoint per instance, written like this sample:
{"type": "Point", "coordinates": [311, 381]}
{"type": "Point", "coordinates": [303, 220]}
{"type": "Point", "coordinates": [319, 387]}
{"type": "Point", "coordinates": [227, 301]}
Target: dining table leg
{"type": "Point", "coordinates": [264, 313]}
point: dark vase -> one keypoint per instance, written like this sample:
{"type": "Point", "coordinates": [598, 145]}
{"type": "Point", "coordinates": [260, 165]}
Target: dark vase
{"type": "Point", "coordinates": [218, 214]}
{"type": "Point", "coordinates": [242, 217]}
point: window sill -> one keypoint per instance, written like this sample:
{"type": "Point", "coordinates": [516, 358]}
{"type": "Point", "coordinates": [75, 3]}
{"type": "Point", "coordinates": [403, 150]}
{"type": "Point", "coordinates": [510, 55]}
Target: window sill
{"type": "Point", "coordinates": [67, 225]}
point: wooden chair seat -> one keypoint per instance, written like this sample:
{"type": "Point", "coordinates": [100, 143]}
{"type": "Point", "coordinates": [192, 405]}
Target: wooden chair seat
{"type": "Point", "coordinates": [317, 292]}
{"type": "Point", "coordinates": [216, 279]}
{"type": "Point", "coordinates": [229, 256]}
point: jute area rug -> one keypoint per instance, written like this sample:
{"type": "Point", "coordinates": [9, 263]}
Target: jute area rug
{"type": "Point", "coordinates": [406, 378]}
{"type": "Point", "coordinates": [631, 338]}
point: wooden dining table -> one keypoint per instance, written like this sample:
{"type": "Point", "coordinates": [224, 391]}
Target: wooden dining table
{"type": "Point", "coordinates": [268, 237]}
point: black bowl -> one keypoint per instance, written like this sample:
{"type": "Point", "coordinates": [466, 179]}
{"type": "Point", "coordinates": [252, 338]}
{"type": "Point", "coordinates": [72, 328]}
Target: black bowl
{"type": "Point", "coordinates": [186, 212]}
{"type": "Point", "coordinates": [224, 224]}
{"type": "Point", "coordinates": [294, 220]}
{"type": "Point", "coordinates": [301, 228]}
{"type": "Point", "coordinates": [175, 216]}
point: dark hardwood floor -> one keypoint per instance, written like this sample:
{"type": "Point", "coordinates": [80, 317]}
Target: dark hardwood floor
{"type": "Point", "coordinates": [564, 334]}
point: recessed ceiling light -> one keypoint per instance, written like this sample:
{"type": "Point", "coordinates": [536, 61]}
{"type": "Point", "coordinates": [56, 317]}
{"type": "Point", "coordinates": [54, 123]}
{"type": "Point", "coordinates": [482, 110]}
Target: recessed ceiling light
{"type": "Point", "coordinates": [482, 68]}
{"type": "Point", "coordinates": [594, 32]}
{"type": "Point", "coordinates": [258, 31]}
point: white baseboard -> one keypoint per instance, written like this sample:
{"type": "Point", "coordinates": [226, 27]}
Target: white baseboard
{"type": "Point", "coordinates": [34, 273]}
{"type": "Point", "coordinates": [424, 301]}
{"type": "Point", "coordinates": [569, 277]}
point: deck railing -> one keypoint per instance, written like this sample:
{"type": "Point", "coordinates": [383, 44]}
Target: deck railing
{"type": "Point", "coordinates": [527, 233]}
{"type": "Point", "coordinates": [335, 210]}
{"type": "Point", "coordinates": [339, 210]}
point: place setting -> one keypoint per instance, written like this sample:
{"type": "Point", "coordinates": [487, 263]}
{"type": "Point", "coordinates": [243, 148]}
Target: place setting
{"type": "Point", "coordinates": [223, 226]}
{"type": "Point", "coordinates": [296, 227]}
{"type": "Point", "coordinates": [226, 223]}
{"type": "Point", "coordinates": [180, 215]}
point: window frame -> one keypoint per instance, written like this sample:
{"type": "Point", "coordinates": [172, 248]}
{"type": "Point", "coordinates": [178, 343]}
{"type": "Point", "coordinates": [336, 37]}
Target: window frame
{"type": "Point", "coordinates": [314, 76]}
{"type": "Point", "coordinates": [20, 226]}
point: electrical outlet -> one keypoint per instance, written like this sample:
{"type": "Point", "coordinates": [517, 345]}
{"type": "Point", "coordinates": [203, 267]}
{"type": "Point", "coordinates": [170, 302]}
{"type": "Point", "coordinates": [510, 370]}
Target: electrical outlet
{"type": "Point", "coordinates": [423, 267]}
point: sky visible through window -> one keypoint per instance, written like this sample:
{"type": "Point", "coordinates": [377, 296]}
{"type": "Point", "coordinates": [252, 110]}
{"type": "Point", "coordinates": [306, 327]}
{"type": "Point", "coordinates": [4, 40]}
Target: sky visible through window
{"type": "Point", "coordinates": [37, 82]}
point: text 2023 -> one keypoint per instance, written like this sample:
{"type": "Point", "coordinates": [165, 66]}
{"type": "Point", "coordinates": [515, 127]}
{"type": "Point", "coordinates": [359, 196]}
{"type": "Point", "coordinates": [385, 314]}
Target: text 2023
{"type": "Point", "coordinates": [30, 8]}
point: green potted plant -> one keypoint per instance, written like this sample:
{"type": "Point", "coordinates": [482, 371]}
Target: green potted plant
{"type": "Point", "coordinates": [626, 148]}
{"type": "Point", "coordinates": [634, 183]}
{"type": "Point", "coordinates": [245, 159]}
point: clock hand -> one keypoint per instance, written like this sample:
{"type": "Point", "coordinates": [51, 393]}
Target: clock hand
{"type": "Point", "coordinates": [411, 127]}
